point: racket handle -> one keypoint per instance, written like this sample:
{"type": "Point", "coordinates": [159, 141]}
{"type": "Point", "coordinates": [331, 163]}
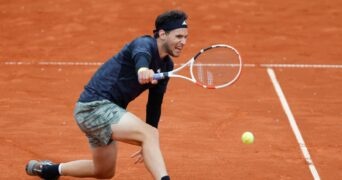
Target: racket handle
{"type": "Point", "coordinates": [159, 76]}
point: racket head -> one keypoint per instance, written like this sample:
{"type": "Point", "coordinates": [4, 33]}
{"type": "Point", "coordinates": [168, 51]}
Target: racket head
{"type": "Point", "coordinates": [216, 66]}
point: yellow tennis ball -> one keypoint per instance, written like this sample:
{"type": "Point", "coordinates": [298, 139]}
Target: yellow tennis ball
{"type": "Point", "coordinates": [247, 137]}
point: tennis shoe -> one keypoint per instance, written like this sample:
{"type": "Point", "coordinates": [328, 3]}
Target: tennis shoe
{"type": "Point", "coordinates": [38, 168]}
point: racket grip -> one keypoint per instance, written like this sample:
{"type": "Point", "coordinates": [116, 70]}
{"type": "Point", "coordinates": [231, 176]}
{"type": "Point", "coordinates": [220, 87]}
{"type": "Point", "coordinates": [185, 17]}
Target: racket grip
{"type": "Point", "coordinates": [159, 76]}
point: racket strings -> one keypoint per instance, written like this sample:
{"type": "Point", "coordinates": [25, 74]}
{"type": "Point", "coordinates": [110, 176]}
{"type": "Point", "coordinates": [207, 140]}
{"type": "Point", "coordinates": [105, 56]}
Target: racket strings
{"type": "Point", "coordinates": [216, 67]}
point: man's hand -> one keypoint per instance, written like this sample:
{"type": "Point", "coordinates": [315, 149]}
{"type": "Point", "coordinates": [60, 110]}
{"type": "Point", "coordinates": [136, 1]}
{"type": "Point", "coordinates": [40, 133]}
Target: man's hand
{"type": "Point", "coordinates": [138, 156]}
{"type": "Point", "coordinates": [145, 76]}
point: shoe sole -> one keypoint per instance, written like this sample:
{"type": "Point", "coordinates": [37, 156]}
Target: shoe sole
{"type": "Point", "coordinates": [30, 166]}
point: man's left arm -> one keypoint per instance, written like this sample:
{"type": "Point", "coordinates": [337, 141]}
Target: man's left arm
{"type": "Point", "coordinates": [153, 107]}
{"type": "Point", "coordinates": [155, 97]}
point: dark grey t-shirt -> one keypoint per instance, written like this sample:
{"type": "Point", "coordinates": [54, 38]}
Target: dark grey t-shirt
{"type": "Point", "coordinates": [117, 81]}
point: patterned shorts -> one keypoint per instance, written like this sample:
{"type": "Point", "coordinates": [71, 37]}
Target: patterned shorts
{"type": "Point", "coordinates": [95, 120]}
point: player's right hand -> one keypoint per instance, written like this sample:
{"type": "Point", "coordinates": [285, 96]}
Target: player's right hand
{"type": "Point", "coordinates": [145, 76]}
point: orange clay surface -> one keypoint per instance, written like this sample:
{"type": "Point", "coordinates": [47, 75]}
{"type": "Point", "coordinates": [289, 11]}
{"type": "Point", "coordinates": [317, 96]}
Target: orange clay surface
{"type": "Point", "coordinates": [200, 129]}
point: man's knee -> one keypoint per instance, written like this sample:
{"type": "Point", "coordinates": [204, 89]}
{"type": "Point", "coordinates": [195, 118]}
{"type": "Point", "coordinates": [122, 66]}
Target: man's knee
{"type": "Point", "coordinates": [153, 132]}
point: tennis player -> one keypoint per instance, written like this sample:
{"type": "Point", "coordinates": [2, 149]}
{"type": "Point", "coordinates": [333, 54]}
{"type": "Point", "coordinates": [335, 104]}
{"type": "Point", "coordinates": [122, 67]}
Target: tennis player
{"type": "Point", "coordinates": [101, 109]}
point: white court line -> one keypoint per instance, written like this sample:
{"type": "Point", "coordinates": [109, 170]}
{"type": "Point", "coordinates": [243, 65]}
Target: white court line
{"type": "Point", "coordinates": [97, 63]}
{"type": "Point", "coordinates": [333, 66]}
{"type": "Point", "coordinates": [293, 124]}
{"type": "Point", "coordinates": [71, 63]}
{"type": "Point", "coordinates": [52, 63]}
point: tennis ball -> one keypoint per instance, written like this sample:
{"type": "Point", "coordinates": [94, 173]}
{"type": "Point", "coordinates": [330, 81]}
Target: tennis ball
{"type": "Point", "coordinates": [247, 137]}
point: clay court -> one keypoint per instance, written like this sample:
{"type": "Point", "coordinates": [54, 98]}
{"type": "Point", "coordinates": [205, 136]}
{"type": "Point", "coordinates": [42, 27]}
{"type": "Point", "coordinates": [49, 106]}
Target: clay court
{"type": "Point", "coordinates": [49, 50]}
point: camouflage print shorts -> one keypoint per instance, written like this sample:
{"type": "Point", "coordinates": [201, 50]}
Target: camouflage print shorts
{"type": "Point", "coordinates": [95, 120]}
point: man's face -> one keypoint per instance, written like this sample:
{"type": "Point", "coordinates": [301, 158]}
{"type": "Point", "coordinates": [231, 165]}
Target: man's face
{"type": "Point", "coordinates": [175, 41]}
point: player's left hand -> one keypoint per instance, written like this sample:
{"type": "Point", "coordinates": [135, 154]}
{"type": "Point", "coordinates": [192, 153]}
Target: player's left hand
{"type": "Point", "coordinates": [138, 156]}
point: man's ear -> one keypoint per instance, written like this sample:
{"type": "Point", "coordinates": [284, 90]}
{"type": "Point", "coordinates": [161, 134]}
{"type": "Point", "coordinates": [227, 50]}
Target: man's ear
{"type": "Point", "coordinates": [162, 34]}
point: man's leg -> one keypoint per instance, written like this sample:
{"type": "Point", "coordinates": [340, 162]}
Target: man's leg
{"type": "Point", "coordinates": [102, 165]}
{"type": "Point", "coordinates": [131, 129]}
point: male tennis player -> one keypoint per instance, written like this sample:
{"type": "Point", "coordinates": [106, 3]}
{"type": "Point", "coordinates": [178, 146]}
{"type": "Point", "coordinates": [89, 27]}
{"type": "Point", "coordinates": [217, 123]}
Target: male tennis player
{"type": "Point", "coordinates": [101, 109]}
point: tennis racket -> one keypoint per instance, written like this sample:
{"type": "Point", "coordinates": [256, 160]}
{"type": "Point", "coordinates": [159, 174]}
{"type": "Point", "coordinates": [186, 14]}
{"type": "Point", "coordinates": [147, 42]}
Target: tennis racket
{"type": "Point", "coordinates": [214, 67]}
